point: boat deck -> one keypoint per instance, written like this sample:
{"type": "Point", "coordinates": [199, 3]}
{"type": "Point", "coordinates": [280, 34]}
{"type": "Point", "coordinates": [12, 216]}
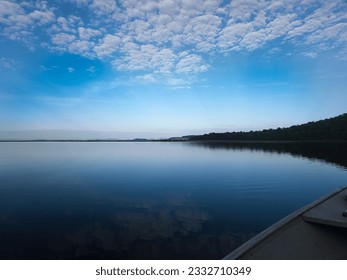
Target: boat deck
{"type": "Point", "coordinates": [318, 231]}
{"type": "Point", "coordinates": [329, 212]}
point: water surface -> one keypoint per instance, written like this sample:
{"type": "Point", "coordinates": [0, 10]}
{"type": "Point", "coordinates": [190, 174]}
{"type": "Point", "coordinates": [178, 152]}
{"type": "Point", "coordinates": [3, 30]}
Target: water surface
{"type": "Point", "coordinates": [152, 200]}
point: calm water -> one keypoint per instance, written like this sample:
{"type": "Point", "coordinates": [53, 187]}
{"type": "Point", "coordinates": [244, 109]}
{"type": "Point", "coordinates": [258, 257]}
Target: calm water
{"type": "Point", "coordinates": [152, 200]}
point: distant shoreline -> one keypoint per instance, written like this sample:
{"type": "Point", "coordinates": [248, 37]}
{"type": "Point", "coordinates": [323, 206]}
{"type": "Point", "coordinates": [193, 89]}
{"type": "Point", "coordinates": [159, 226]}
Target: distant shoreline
{"type": "Point", "coordinates": [328, 130]}
{"type": "Point", "coordinates": [186, 141]}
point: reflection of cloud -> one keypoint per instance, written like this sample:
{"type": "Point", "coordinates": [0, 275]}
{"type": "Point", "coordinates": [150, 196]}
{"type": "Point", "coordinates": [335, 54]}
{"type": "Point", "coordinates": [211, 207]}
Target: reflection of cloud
{"type": "Point", "coordinates": [103, 242]}
{"type": "Point", "coordinates": [150, 220]}
{"type": "Point", "coordinates": [171, 228]}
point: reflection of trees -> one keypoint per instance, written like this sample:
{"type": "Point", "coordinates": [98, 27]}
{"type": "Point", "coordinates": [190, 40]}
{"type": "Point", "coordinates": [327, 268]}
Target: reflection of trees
{"type": "Point", "coordinates": [332, 152]}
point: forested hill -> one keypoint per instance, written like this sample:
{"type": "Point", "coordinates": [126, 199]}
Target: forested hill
{"type": "Point", "coordinates": [333, 129]}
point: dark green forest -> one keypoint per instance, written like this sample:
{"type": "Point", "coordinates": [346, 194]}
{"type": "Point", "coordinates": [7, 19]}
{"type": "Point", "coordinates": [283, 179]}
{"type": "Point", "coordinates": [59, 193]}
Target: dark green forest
{"type": "Point", "coordinates": [332, 129]}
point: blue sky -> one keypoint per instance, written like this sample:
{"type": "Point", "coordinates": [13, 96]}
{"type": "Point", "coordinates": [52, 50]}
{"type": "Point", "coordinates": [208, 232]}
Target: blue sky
{"type": "Point", "coordinates": [138, 68]}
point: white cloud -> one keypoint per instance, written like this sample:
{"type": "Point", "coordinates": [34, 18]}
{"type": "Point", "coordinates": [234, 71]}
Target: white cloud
{"type": "Point", "coordinates": [147, 57]}
{"type": "Point", "coordinates": [181, 81]}
{"type": "Point", "coordinates": [8, 8]}
{"type": "Point", "coordinates": [202, 31]}
{"type": "Point", "coordinates": [9, 63]}
{"type": "Point", "coordinates": [147, 78]}
{"type": "Point", "coordinates": [253, 40]}
{"type": "Point", "coordinates": [18, 23]}
{"type": "Point", "coordinates": [108, 45]}
{"type": "Point", "coordinates": [103, 7]}
{"type": "Point", "coordinates": [244, 10]}
{"type": "Point", "coordinates": [70, 69]}
{"type": "Point", "coordinates": [191, 63]}
{"type": "Point", "coordinates": [324, 29]}
{"type": "Point", "coordinates": [88, 33]}
{"type": "Point", "coordinates": [168, 7]}
{"type": "Point", "coordinates": [163, 60]}
{"type": "Point", "coordinates": [63, 40]}
{"type": "Point", "coordinates": [81, 3]}
{"type": "Point", "coordinates": [66, 24]}
{"type": "Point", "coordinates": [310, 54]}
{"type": "Point", "coordinates": [178, 82]}
{"type": "Point", "coordinates": [82, 47]}
{"type": "Point", "coordinates": [232, 34]}
{"type": "Point", "coordinates": [199, 7]}
{"type": "Point", "coordinates": [308, 27]}
{"type": "Point", "coordinates": [42, 17]}
{"type": "Point", "coordinates": [276, 5]}
{"type": "Point", "coordinates": [280, 26]}
{"type": "Point", "coordinates": [152, 35]}
{"type": "Point", "coordinates": [138, 8]}
{"type": "Point", "coordinates": [91, 69]}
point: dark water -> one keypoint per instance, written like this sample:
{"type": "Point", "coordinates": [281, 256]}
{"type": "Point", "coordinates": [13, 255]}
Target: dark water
{"type": "Point", "coordinates": [154, 200]}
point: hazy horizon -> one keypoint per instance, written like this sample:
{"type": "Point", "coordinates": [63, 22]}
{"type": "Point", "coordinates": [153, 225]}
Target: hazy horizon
{"type": "Point", "coordinates": [166, 68]}
{"type": "Point", "coordinates": [65, 134]}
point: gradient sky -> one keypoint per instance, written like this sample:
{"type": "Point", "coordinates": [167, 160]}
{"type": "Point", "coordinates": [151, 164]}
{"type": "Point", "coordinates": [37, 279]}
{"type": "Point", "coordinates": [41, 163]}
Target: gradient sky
{"type": "Point", "coordinates": [139, 68]}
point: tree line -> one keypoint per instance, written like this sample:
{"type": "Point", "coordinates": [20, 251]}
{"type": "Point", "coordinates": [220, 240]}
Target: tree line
{"type": "Point", "coordinates": [332, 129]}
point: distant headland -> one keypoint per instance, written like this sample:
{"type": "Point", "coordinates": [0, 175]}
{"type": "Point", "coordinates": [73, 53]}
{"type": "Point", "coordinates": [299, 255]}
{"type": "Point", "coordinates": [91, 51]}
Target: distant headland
{"type": "Point", "coordinates": [332, 129]}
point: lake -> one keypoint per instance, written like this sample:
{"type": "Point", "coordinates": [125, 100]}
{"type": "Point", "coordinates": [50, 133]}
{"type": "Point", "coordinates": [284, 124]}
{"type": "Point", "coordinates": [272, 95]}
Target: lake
{"type": "Point", "coordinates": [154, 200]}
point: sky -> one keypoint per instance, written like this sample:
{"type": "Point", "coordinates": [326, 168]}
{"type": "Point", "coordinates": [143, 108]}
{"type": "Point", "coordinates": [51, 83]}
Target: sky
{"type": "Point", "coordinates": [163, 68]}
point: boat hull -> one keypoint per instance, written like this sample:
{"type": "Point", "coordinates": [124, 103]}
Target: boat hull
{"type": "Point", "coordinates": [317, 231]}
